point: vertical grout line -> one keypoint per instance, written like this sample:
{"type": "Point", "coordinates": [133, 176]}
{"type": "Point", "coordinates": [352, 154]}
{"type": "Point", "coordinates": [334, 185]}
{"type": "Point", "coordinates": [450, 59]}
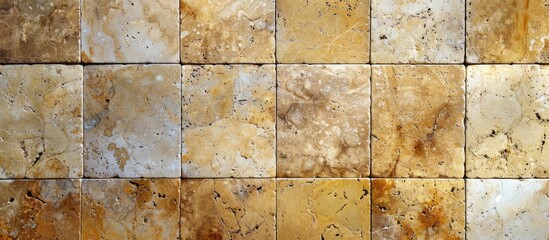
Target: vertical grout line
{"type": "Point", "coordinates": [276, 119]}
{"type": "Point", "coordinates": [370, 34]}
{"type": "Point", "coordinates": [370, 174]}
{"type": "Point", "coordinates": [465, 120]}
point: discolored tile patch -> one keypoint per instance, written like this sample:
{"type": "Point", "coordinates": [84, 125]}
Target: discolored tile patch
{"type": "Point", "coordinates": [40, 209]}
{"type": "Point", "coordinates": [228, 209]}
{"type": "Point", "coordinates": [228, 121]}
{"type": "Point", "coordinates": [508, 121]}
{"type": "Point", "coordinates": [41, 121]}
{"type": "Point", "coordinates": [323, 121]}
{"type": "Point", "coordinates": [418, 209]}
{"type": "Point", "coordinates": [227, 31]}
{"type": "Point", "coordinates": [130, 209]}
{"type": "Point", "coordinates": [132, 121]}
{"type": "Point", "coordinates": [323, 209]}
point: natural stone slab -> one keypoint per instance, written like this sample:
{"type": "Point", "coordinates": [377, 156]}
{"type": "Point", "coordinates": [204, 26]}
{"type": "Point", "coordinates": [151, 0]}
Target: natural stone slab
{"type": "Point", "coordinates": [37, 31]}
{"type": "Point", "coordinates": [228, 209]}
{"type": "Point", "coordinates": [507, 31]}
{"type": "Point", "coordinates": [508, 121]}
{"type": "Point", "coordinates": [40, 209]}
{"type": "Point", "coordinates": [323, 121]}
{"type": "Point", "coordinates": [228, 121]}
{"type": "Point", "coordinates": [134, 31]}
{"type": "Point", "coordinates": [323, 209]}
{"type": "Point", "coordinates": [418, 209]}
{"type": "Point", "coordinates": [130, 209]}
{"type": "Point", "coordinates": [507, 209]}
{"type": "Point", "coordinates": [417, 121]}
{"type": "Point", "coordinates": [41, 121]}
{"type": "Point", "coordinates": [418, 31]}
{"type": "Point", "coordinates": [132, 121]}
{"type": "Point", "coordinates": [323, 31]}
{"type": "Point", "coordinates": [227, 31]}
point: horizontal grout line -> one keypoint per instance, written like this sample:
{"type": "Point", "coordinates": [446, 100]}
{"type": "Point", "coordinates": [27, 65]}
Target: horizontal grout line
{"type": "Point", "coordinates": [273, 178]}
{"type": "Point", "coordinates": [289, 64]}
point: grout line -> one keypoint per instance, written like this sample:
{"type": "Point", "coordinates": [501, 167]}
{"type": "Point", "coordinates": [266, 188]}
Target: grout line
{"type": "Point", "coordinates": [259, 64]}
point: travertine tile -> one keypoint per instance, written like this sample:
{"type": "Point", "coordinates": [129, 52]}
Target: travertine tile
{"type": "Point", "coordinates": [330, 31]}
{"type": "Point", "coordinates": [227, 31]}
{"type": "Point", "coordinates": [323, 209]}
{"type": "Point", "coordinates": [323, 121]}
{"type": "Point", "coordinates": [40, 209]}
{"type": "Point", "coordinates": [507, 31]}
{"type": "Point", "coordinates": [136, 31]}
{"type": "Point", "coordinates": [228, 209]}
{"type": "Point", "coordinates": [418, 209]}
{"type": "Point", "coordinates": [417, 121]}
{"type": "Point", "coordinates": [508, 121]}
{"type": "Point", "coordinates": [132, 121]}
{"type": "Point", "coordinates": [40, 121]}
{"type": "Point", "coordinates": [39, 31]}
{"type": "Point", "coordinates": [228, 121]}
{"type": "Point", "coordinates": [507, 209]}
{"type": "Point", "coordinates": [130, 209]}
{"type": "Point", "coordinates": [418, 31]}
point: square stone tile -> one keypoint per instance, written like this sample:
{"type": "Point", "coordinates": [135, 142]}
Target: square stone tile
{"type": "Point", "coordinates": [417, 121]}
{"type": "Point", "coordinates": [228, 209]}
{"type": "Point", "coordinates": [418, 31]}
{"type": "Point", "coordinates": [330, 31]}
{"type": "Point", "coordinates": [507, 121]}
{"type": "Point", "coordinates": [323, 121]}
{"type": "Point", "coordinates": [40, 121]}
{"type": "Point", "coordinates": [323, 209]}
{"type": "Point", "coordinates": [132, 121]}
{"type": "Point", "coordinates": [227, 31]}
{"type": "Point", "coordinates": [130, 209]}
{"type": "Point", "coordinates": [418, 209]}
{"type": "Point", "coordinates": [507, 31]}
{"type": "Point", "coordinates": [228, 121]}
{"type": "Point", "coordinates": [38, 31]}
{"type": "Point", "coordinates": [136, 31]}
{"type": "Point", "coordinates": [40, 209]}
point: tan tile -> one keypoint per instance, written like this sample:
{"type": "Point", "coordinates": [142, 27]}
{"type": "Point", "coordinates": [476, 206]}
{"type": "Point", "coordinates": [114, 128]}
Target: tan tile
{"type": "Point", "coordinates": [329, 31]}
{"type": "Point", "coordinates": [507, 121]}
{"type": "Point", "coordinates": [130, 209]}
{"type": "Point", "coordinates": [323, 121]}
{"type": "Point", "coordinates": [228, 121]}
{"type": "Point", "coordinates": [41, 121]}
{"type": "Point", "coordinates": [227, 31]}
{"type": "Point", "coordinates": [418, 209]}
{"type": "Point", "coordinates": [228, 209]}
{"type": "Point", "coordinates": [36, 31]}
{"type": "Point", "coordinates": [132, 121]}
{"type": "Point", "coordinates": [134, 31]}
{"type": "Point", "coordinates": [417, 121]}
{"type": "Point", "coordinates": [418, 31]}
{"type": "Point", "coordinates": [507, 31]}
{"type": "Point", "coordinates": [40, 209]}
{"type": "Point", "coordinates": [323, 209]}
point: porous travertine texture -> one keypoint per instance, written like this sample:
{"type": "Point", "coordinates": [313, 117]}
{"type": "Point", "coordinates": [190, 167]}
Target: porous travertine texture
{"type": "Point", "coordinates": [40, 121]}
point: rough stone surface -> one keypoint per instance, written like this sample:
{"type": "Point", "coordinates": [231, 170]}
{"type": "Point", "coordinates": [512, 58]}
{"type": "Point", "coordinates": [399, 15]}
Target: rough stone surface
{"type": "Point", "coordinates": [418, 31]}
{"type": "Point", "coordinates": [418, 209]}
{"type": "Point", "coordinates": [130, 209]}
{"type": "Point", "coordinates": [508, 121]}
{"type": "Point", "coordinates": [330, 31]}
{"type": "Point", "coordinates": [40, 121]}
{"type": "Point", "coordinates": [44, 209]}
{"type": "Point", "coordinates": [135, 31]}
{"type": "Point", "coordinates": [132, 121]}
{"type": "Point", "coordinates": [39, 31]}
{"type": "Point", "coordinates": [228, 209]}
{"type": "Point", "coordinates": [227, 31]}
{"type": "Point", "coordinates": [508, 31]}
{"type": "Point", "coordinates": [228, 121]}
{"type": "Point", "coordinates": [323, 209]}
{"type": "Point", "coordinates": [507, 209]}
{"type": "Point", "coordinates": [323, 121]}
{"type": "Point", "coordinates": [417, 121]}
